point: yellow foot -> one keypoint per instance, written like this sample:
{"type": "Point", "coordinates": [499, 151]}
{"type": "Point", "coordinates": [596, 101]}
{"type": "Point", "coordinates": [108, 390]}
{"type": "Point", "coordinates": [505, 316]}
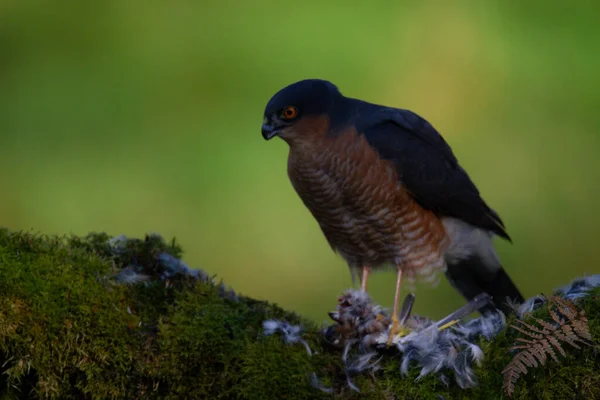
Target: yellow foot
{"type": "Point", "coordinates": [397, 330]}
{"type": "Point", "coordinates": [394, 329]}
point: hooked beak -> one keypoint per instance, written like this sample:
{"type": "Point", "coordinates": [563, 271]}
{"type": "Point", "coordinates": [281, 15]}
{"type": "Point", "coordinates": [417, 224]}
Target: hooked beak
{"type": "Point", "coordinates": [268, 131]}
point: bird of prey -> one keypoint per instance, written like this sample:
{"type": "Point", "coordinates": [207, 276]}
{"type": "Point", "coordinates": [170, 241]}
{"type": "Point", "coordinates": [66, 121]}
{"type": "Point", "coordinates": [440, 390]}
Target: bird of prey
{"type": "Point", "coordinates": [386, 189]}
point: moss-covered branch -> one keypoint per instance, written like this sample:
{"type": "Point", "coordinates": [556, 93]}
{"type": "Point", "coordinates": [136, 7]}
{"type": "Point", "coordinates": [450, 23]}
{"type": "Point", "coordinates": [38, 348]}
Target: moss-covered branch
{"type": "Point", "coordinates": [70, 328]}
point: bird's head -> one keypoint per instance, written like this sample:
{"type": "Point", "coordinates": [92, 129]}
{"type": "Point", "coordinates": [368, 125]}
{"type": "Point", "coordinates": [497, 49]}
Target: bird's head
{"type": "Point", "coordinates": [292, 104]}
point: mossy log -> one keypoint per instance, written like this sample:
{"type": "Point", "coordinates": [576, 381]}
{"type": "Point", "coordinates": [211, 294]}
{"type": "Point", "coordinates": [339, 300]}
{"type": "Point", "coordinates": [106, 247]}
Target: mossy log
{"type": "Point", "coordinates": [69, 331]}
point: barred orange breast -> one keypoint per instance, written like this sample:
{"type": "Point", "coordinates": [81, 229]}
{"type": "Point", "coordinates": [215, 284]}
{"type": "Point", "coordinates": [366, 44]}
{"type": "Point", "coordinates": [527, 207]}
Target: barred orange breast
{"type": "Point", "coordinates": [361, 205]}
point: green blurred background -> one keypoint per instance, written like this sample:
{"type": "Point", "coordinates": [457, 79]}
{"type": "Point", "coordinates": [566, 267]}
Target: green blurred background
{"type": "Point", "coordinates": [133, 117]}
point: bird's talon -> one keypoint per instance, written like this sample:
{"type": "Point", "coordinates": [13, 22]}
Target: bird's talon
{"type": "Point", "coordinates": [404, 330]}
{"type": "Point", "coordinates": [395, 329]}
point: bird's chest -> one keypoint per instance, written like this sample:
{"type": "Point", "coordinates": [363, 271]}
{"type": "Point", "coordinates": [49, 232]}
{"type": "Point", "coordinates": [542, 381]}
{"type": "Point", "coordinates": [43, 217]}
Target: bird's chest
{"type": "Point", "coordinates": [362, 207]}
{"type": "Point", "coordinates": [344, 183]}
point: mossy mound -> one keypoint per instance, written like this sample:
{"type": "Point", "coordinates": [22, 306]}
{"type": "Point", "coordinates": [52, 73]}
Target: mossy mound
{"type": "Point", "coordinates": [67, 331]}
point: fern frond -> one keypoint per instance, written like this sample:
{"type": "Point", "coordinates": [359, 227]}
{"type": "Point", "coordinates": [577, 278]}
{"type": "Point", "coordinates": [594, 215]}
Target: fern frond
{"type": "Point", "coordinates": [554, 341]}
{"type": "Point", "coordinates": [578, 320]}
{"type": "Point", "coordinates": [582, 328]}
{"type": "Point", "coordinates": [547, 346]}
{"type": "Point", "coordinates": [511, 376]}
{"type": "Point", "coordinates": [543, 338]}
{"type": "Point", "coordinates": [539, 352]}
{"type": "Point", "coordinates": [532, 332]}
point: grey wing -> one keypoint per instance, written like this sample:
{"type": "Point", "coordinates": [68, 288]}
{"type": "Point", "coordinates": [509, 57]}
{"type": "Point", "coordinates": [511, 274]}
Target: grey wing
{"type": "Point", "coordinates": [428, 168]}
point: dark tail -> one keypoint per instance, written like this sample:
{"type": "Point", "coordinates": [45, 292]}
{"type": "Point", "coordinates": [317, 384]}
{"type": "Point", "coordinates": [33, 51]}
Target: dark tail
{"type": "Point", "coordinates": [471, 277]}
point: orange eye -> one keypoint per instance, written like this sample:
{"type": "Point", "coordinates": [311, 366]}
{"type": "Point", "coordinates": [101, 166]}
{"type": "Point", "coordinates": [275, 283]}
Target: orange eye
{"type": "Point", "coordinates": [289, 112]}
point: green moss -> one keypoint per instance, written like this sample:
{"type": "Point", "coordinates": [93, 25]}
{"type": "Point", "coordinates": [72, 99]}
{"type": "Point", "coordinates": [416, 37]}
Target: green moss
{"type": "Point", "coordinates": [66, 333]}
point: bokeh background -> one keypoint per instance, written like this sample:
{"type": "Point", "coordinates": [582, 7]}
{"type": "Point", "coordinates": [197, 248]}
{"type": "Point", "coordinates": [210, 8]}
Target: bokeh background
{"type": "Point", "coordinates": [133, 117]}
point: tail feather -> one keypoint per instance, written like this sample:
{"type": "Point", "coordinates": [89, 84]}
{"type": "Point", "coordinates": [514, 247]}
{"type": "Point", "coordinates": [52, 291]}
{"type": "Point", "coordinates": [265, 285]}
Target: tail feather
{"type": "Point", "coordinates": [471, 277]}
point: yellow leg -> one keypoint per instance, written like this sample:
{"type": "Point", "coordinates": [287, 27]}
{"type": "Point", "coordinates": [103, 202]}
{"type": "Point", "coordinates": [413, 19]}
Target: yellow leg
{"type": "Point", "coordinates": [395, 329]}
{"type": "Point", "coordinates": [365, 277]}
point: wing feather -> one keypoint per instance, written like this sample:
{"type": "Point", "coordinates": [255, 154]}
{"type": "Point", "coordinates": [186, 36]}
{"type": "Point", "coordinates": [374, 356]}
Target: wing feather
{"type": "Point", "coordinates": [427, 167]}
